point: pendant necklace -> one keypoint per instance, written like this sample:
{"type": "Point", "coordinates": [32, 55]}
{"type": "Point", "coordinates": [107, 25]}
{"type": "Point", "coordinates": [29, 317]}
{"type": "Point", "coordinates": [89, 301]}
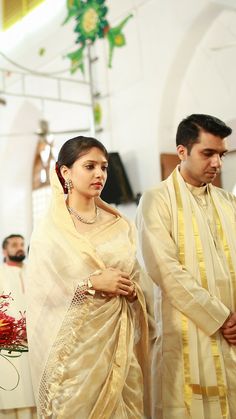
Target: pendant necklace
{"type": "Point", "coordinates": [72, 211]}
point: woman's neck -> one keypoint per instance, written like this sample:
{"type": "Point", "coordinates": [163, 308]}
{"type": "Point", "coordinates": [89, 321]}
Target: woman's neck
{"type": "Point", "coordinates": [81, 204]}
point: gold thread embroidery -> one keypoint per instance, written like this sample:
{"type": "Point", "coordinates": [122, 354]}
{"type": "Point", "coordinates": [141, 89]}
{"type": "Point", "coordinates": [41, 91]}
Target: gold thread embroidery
{"type": "Point", "coordinates": [181, 250]}
{"type": "Point", "coordinates": [221, 388]}
{"type": "Point", "coordinates": [189, 388]}
{"type": "Point", "coordinates": [226, 250]}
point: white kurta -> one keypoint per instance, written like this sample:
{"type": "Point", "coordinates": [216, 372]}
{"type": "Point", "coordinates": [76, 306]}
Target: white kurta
{"type": "Point", "coordinates": [17, 367]}
{"type": "Point", "coordinates": [190, 314]}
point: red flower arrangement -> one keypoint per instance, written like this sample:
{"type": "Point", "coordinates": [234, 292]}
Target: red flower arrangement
{"type": "Point", "coordinates": [13, 336]}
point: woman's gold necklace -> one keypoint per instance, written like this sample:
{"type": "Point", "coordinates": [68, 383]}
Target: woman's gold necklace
{"type": "Point", "coordinates": [72, 211]}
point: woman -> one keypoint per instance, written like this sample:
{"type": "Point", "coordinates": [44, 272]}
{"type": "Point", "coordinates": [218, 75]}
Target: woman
{"type": "Point", "coordinates": [86, 318]}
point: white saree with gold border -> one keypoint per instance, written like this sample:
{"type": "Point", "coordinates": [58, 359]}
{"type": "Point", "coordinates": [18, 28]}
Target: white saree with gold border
{"type": "Point", "coordinates": [89, 354]}
{"type": "Point", "coordinates": [188, 240]}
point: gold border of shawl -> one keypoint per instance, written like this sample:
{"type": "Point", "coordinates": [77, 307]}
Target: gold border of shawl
{"type": "Point", "coordinates": [226, 249]}
{"type": "Point", "coordinates": [189, 389]}
{"type": "Point", "coordinates": [181, 251]}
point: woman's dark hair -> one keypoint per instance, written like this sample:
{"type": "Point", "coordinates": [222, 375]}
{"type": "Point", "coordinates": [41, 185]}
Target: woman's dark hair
{"type": "Point", "coordinates": [72, 149]}
{"type": "Point", "coordinates": [189, 129]}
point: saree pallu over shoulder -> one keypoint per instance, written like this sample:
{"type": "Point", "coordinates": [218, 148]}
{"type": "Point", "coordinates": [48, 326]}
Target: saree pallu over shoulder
{"type": "Point", "coordinates": [80, 344]}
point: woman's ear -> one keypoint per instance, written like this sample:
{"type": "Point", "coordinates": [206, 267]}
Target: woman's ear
{"type": "Point", "coordinates": [64, 171]}
{"type": "Point", "coordinates": [182, 152]}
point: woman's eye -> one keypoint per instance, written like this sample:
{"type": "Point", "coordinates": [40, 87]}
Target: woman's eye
{"type": "Point", "coordinates": [104, 168]}
{"type": "Point", "coordinates": [89, 166]}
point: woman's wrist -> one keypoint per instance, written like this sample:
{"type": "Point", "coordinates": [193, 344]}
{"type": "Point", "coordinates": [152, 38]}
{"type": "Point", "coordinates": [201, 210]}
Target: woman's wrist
{"type": "Point", "coordinates": [90, 288]}
{"type": "Point", "coordinates": [90, 282]}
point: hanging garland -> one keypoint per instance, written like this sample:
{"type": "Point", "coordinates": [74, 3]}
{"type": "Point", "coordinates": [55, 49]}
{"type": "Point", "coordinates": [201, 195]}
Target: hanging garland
{"type": "Point", "coordinates": [91, 24]}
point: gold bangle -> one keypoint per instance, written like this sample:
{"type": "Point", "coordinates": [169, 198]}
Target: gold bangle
{"type": "Point", "coordinates": [90, 290]}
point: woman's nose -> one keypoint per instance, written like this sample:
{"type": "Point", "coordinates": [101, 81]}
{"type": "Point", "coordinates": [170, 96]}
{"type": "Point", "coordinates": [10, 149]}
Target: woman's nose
{"type": "Point", "coordinates": [99, 172]}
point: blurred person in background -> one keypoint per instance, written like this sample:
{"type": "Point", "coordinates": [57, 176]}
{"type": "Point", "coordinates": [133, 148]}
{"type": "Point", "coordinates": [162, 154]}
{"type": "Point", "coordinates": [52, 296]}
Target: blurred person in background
{"type": "Point", "coordinates": [16, 394]}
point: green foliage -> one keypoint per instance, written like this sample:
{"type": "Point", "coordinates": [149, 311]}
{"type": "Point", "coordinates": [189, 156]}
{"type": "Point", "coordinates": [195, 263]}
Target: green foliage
{"type": "Point", "coordinates": [91, 24]}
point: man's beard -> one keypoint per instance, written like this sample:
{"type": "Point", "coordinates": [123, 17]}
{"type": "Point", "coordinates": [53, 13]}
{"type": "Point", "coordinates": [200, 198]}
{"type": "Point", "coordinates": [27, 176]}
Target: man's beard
{"type": "Point", "coordinates": [17, 258]}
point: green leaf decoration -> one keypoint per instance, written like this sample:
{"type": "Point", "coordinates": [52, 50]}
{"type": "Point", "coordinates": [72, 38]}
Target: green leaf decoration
{"type": "Point", "coordinates": [77, 60]}
{"type": "Point", "coordinates": [42, 51]}
{"type": "Point", "coordinates": [116, 38]}
{"type": "Point", "coordinates": [90, 20]}
{"type": "Point", "coordinates": [72, 7]}
{"type": "Point", "coordinates": [97, 111]}
{"type": "Point", "coordinates": [91, 24]}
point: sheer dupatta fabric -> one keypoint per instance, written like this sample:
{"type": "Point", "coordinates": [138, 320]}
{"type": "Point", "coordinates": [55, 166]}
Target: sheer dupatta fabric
{"type": "Point", "coordinates": [81, 344]}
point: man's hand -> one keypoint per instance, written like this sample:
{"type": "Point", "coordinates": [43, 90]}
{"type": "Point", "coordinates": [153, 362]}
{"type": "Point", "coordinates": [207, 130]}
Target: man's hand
{"type": "Point", "coordinates": [228, 329]}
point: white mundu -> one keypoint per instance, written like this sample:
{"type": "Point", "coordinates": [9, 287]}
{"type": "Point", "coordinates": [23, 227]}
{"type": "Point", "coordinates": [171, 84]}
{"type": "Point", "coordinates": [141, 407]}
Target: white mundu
{"type": "Point", "coordinates": [16, 393]}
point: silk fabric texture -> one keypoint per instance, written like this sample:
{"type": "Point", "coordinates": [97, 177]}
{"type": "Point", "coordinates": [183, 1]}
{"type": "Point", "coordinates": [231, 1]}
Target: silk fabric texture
{"type": "Point", "coordinates": [89, 357]}
{"type": "Point", "coordinates": [195, 269]}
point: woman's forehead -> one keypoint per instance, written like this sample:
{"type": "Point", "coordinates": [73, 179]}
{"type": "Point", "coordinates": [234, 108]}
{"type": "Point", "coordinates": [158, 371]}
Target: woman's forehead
{"type": "Point", "coordinates": [93, 154]}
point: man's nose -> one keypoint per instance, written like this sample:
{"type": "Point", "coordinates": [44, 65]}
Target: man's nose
{"type": "Point", "coordinates": [216, 161]}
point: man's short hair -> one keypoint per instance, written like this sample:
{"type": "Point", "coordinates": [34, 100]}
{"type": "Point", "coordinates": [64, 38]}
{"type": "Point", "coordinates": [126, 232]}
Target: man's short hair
{"type": "Point", "coordinates": [5, 241]}
{"type": "Point", "coordinates": [189, 129]}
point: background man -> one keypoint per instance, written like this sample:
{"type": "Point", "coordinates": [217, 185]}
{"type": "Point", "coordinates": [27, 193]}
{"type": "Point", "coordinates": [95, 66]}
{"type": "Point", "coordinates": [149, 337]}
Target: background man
{"type": "Point", "coordinates": [16, 395]}
{"type": "Point", "coordinates": [187, 232]}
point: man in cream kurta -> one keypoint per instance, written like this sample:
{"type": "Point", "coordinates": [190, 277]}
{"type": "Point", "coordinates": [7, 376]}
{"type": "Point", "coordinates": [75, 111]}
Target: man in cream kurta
{"type": "Point", "coordinates": [16, 394]}
{"type": "Point", "coordinates": [187, 232]}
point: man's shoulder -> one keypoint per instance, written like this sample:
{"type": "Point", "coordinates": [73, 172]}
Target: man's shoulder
{"type": "Point", "coordinates": [229, 196]}
{"type": "Point", "coordinates": [2, 268]}
{"type": "Point", "coordinates": [155, 198]}
{"type": "Point", "coordinates": [156, 192]}
{"type": "Point", "coordinates": [2, 274]}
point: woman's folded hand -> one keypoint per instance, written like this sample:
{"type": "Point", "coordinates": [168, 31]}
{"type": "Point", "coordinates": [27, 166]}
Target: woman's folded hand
{"type": "Point", "coordinates": [113, 282]}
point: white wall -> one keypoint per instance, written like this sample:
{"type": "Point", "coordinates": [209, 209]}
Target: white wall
{"type": "Point", "coordinates": [166, 72]}
{"type": "Point", "coordinates": [168, 69]}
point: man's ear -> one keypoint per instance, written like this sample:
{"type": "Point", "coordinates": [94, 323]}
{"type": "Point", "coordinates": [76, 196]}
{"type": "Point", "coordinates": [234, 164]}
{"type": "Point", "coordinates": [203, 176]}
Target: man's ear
{"type": "Point", "coordinates": [4, 252]}
{"type": "Point", "coordinates": [182, 152]}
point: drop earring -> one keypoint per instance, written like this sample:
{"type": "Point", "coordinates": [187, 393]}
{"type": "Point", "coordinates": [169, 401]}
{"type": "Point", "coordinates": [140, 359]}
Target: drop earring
{"type": "Point", "coordinates": [68, 185]}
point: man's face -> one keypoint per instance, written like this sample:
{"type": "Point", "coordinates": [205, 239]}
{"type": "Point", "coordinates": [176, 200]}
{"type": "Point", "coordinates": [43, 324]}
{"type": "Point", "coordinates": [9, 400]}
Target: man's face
{"type": "Point", "coordinates": [204, 161]}
{"type": "Point", "coordinates": [15, 250]}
